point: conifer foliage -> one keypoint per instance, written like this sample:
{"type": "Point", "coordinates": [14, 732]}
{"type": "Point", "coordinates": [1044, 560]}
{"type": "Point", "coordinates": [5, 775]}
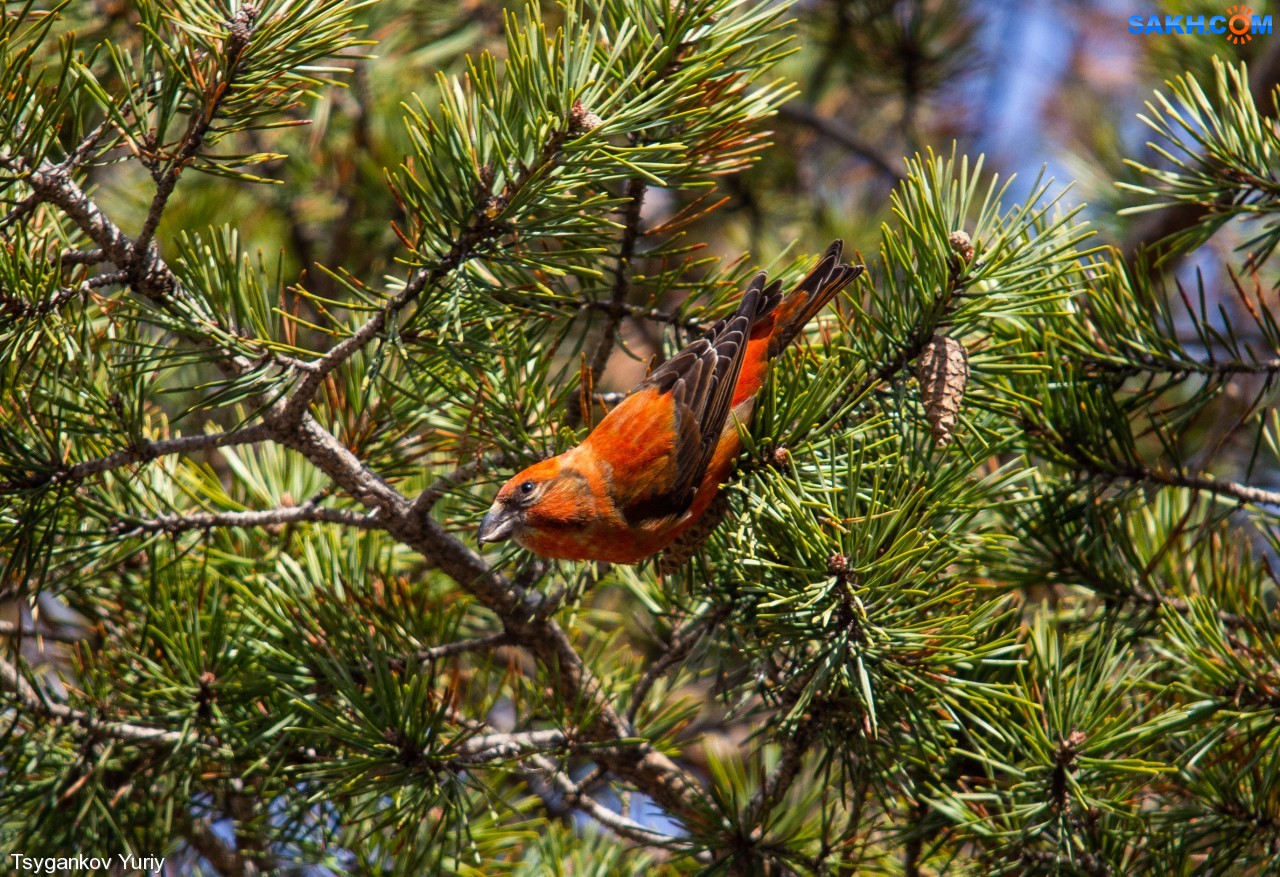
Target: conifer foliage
{"type": "Point", "coordinates": [991, 590]}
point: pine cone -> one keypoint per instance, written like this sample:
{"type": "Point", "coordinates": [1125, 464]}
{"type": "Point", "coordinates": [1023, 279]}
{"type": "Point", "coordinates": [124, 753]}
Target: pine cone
{"type": "Point", "coordinates": [962, 245]}
{"type": "Point", "coordinates": [943, 372]}
{"type": "Point", "coordinates": [582, 120]}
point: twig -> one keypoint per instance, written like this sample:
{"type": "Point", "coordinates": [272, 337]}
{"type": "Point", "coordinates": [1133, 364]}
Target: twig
{"type": "Point", "coordinates": [21, 209]}
{"type": "Point", "coordinates": [20, 309]}
{"type": "Point", "coordinates": [682, 642]}
{"type": "Point", "coordinates": [1174, 367]}
{"type": "Point", "coordinates": [10, 628]}
{"type": "Point", "coordinates": [251, 844]}
{"type": "Point", "coordinates": [576, 795]}
{"type": "Point", "coordinates": [435, 653]}
{"type": "Point", "coordinates": [504, 747]}
{"type": "Point", "coordinates": [794, 747]}
{"type": "Point", "coordinates": [620, 825]}
{"type": "Point", "coordinates": [181, 523]}
{"type": "Point", "coordinates": [140, 453]}
{"type": "Point", "coordinates": [841, 135]}
{"type": "Point", "coordinates": [911, 855]}
{"type": "Point", "coordinates": [784, 774]}
{"type": "Point", "coordinates": [1232, 489]}
{"type": "Point", "coordinates": [1230, 620]}
{"type": "Point", "coordinates": [1137, 472]}
{"type": "Point", "coordinates": [239, 35]}
{"type": "Point", "coordinates": [82, 257]}
{"type": "Point", "coordinates": [15, 308]}
{"type": "Point", "coordinates": [635, 191]}
{"type": "Point", "coordinates": [655, 315]}
{"type": "Point", "coordinates": [227, 861]}
{"type": "Point", "coordinates": [74, 159]}
{"type": "Point", "coordinates": [12, 680]}
{"type": "Point", "coordinates": [445, 650]}
{"type": "Point", "coordinates": [53, 184]}
{"type": "Point", "coordinates": [428, 498]}
{"type": "Point", "coordinates": [111, 278]}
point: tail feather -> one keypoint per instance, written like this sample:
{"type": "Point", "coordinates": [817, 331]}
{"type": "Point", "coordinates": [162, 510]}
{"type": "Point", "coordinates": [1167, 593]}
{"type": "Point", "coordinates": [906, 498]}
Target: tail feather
{"type": "Point", "coordinates": [785, 318]}
{"type": "Point", "coordinates": [811, 295]}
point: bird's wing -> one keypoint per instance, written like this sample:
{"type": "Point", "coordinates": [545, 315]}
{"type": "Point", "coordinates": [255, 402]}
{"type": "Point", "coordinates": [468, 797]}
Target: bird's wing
{"type": "Point", "coordinates": [659, 441]}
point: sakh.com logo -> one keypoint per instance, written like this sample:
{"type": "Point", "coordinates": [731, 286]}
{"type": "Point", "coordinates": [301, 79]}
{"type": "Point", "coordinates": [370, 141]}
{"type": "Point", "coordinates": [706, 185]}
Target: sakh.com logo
{"type": "Point", "coordinates": [1239, 24]}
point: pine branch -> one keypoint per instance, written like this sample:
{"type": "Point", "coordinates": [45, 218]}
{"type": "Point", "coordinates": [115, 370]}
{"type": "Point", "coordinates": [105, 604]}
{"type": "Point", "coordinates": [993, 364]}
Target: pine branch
{"type": "Point", "coordinates": [239, 35]}
{"type": "Point", "coordinates": [77, 157]}
{"type": "Point", "coordinates": [54, 185]}
{"type": "Point", "coordinates": [481, 229]}
{"type": "Point", "coordinates": [435, 653]}
{"type": "Point", "coordinates": [654, 315]}
{"type": "Point", "coordinates": [14, 307]}
{"type": "Point", "coordinates": [1146, 364]}
{"type": "Point", "coordinates": [902, 354]}
{"type": "Point", "coordinates": [1139, 473]}
{"type": "Point", "coordinates": [82, 257]}
{"type": "Point", "coordinates": [575, 796]}
{"type": "Point", "coordinates": [224, 859]}
{"type": "Point", "coordinates": [794, 747]}
{"type": "Point", "coordinates": [504, 747]}
{"type": "Point", "coordinates": [143, 452]}
{"type": "Point", "coordinates": [911, 856]}
{"type": "Point", "coordinates": [541, 769]}
{"type": "Point", "coordinates": [244, 806]}
{"type": "Point", "coordinates": [1152, 230]}
{"type": "Point", "coordinates": [12, 680]}
{"type": "Point", "coordinates": [18, 308]}
{"type": "Point", "coordinates": [181, 523]}
{"type": "Point", "coordinates": [783, 776]}
{"type": "Point", "coordinates": [21, 210]}
{"type": "Point", "coordinates": [149, 275]}
{"type": "Point", "coordinates": [522, 613]}
{"type": "Point", "coordinates": [1230, 620]}
{"type": "Point", "coordinates": [1233, 490]}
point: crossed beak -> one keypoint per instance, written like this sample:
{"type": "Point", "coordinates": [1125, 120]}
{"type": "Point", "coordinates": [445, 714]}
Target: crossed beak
{"type": "Point", "coordinates": [500, 523]}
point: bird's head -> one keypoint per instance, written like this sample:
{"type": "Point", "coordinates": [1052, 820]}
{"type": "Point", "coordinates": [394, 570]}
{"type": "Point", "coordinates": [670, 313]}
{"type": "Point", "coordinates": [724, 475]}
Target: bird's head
{"type": "Point", "coordinates": [547, 497]}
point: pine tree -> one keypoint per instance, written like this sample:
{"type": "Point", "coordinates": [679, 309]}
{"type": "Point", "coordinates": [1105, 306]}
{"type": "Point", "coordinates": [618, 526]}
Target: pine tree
{"type": "Point", "coordinates": [991, 591]}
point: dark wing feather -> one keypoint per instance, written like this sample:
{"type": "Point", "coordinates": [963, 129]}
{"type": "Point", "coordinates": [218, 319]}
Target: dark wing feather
{"type": "Point", "coordinates": [811, 295]}
{"type": "Point", "coordinates": [701, 379]}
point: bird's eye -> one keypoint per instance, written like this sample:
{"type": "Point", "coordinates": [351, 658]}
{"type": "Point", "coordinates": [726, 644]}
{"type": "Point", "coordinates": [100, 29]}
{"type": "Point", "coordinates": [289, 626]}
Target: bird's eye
{"type": "Point", "coordinates": [527, 488]}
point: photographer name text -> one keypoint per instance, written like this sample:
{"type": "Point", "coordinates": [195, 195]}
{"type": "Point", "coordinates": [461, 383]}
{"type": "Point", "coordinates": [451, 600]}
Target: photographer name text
{"type": "Point", "coordinates": [62, 864]}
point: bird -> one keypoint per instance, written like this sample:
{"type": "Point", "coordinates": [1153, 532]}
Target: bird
{"type": "Point", "coordinates": [652, 466]}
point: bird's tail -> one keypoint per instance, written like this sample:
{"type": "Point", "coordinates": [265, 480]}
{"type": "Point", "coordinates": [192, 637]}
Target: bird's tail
{"type": "Point", "coordinates": [811, 295]}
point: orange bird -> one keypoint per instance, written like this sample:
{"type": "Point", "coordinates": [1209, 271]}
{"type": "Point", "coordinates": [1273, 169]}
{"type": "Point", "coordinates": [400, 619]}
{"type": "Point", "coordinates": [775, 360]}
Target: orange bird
{"type": "Point", "coordinates": [648, 471]}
